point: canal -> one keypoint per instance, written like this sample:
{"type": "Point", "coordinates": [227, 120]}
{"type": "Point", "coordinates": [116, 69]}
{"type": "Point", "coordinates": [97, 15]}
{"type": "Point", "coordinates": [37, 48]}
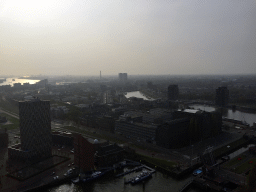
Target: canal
{"type": "Point", "coordinates": [231, 114]}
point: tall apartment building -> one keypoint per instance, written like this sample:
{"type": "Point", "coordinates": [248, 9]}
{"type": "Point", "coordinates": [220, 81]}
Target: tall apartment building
{"type": "Point", "coordinates": [122, 76]}
{"type": "Point", "coordinates": [35, 131]}
{"type": "Point", "coordinates": [222, 95]}
{"type": "Point", "coordinates": [173, 92]}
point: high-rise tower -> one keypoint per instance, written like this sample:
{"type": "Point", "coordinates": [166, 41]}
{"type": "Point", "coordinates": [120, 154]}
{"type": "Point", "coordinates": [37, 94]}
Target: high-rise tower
{"type": "Point", "coordinates": [222, 96]}
{"type": "Point", "coordinates": [173, 92]}
{"type": "Point", "coordinates": [35, 131]}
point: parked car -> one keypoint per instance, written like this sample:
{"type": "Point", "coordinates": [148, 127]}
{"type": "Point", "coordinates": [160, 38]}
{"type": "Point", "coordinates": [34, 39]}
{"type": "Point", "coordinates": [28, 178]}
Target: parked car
{"type": "Point", "coordinates": [197, 172]}
{"type": "Point", "coordinates": [225, 158]}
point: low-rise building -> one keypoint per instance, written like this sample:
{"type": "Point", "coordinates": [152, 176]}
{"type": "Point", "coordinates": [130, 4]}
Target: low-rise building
{"type": "Point", "coordinates": [61, 138]}
{"type": "Point", "coordinates": [108, 155]}
{"type": "Point", "coordinates": [136, 130]}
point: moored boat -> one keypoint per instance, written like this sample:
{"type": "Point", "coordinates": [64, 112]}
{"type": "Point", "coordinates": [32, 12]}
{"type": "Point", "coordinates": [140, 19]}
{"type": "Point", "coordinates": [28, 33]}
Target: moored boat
{"type": "Point", "coordinates": [141, 177]}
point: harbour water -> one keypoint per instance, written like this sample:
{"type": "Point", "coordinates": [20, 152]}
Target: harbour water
{"type": "Point", "coordinates": [229, 113]}
{"type": "Point", "coordinates": [158, 182]}
{"type": "Point", "coordinates": [137, 94]}
{"type": "Point", "coordinates": [11, 81]}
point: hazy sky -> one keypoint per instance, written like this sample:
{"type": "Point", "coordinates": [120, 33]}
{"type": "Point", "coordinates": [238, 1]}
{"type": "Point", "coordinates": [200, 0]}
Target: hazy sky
{"type": "Point", "coordinates": [82, 37]}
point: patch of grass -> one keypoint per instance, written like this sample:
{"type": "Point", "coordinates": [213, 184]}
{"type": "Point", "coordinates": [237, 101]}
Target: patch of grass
{"type": "Point", "coordinates": [245, 166]}
{"type": "Point", "coordinates": [234, 161]}
{"type": "Point", "coordinates": [15, 122]}
{"type": "Point", "coordinates": [233, 145]}
{"type": "Point", "coordinates": [94, 135]}
{"type": "Point", "coordinates": [9, 106]}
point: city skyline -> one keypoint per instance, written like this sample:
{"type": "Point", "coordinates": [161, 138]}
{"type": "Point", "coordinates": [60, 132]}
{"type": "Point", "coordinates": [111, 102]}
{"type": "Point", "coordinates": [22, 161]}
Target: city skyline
{"type": "Point", "coordinates": [84, 38]}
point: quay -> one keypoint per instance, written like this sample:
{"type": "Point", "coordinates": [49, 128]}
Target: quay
{"type": "Point", "coordinates": [135, 169]}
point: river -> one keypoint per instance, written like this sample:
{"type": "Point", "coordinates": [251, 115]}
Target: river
{"type": "Point", "coordinates": [9, 81]}
{"type": "Point", "coordinates": [137, 94]}
{"type": "Point", "coordinates": [238, 115]}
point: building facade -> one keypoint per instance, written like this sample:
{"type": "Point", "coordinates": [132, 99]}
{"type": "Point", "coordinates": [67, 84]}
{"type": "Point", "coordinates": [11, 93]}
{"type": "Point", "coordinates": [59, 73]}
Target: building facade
{"type": "Point", "coordinates": [63, 139]}
{"type": "Point", "coordinates": [189, 126]}
{"type": "Point", "coordinates": [136, 130]}
{"type": "Point", "coordinates": [3, 138]}
{"type": "Point", "coordinates": [85, 149]}
{"type": "Point", "coordinates": [122, 76]}
{"type": "Point", "coordinates": [173, 134]}
{"type": "Point", "coordinates": [35, 131]}
{"type": "Point", "coordinates": [222, 96]}
{"type": "Point", "coordinates": [108, 155]}
{"type": "Point", "coordinates": [173, 92]}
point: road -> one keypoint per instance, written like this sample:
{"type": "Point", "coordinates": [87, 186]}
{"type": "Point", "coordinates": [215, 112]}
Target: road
{"type": "Point", "coordinates": [9, 113]}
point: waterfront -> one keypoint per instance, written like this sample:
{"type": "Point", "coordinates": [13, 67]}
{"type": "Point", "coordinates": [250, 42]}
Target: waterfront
{"type": "Point", "coordinates": [9, 81]}
{"type": "Point", "coordinates": [158, 182]}
{"type": "Point", "coordinates": [229, 113]}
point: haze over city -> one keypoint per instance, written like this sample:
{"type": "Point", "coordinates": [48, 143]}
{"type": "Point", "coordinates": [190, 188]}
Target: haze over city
{"type": "Point", "coordinates": [138, 37]}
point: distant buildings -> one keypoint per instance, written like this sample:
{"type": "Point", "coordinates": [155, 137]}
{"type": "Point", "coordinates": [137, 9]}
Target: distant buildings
{"type": "Point", "coordinates": [35, 131]}
{"type": "Point", "coordinates": [122, 77]}
{"type": "Point", "coordinates": [222, 96]}
{"type": "Point", "coordinates": [173, 92]}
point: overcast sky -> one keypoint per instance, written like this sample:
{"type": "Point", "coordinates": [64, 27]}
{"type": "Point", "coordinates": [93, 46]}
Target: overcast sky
{"type": "Point", "coordinates": [82, 37]}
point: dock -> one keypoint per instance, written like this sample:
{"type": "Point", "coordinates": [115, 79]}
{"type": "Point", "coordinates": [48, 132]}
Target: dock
{"type": "Point", "coordinates": [135, 169]}
{"type": "Point", "coordinates": [130, 171]}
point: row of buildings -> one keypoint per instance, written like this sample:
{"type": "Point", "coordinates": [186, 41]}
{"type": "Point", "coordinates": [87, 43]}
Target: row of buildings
{"type": "Point", "coordinates": [170, 130]}
{"type": "Point", "coordinates": [221, 97]}
{"type": "Point", "coordinates": [37, 140]}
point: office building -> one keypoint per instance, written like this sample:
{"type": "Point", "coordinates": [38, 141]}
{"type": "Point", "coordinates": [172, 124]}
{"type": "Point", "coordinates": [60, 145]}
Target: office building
{"type": "Point", "coordinates": [35, 131]}
{"type": "Point", "coordinates": [85, 149]}
{"type": "Point", "coordinates": [222, 96]}
{"type": "Point", "coordinates": [173, 92]}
